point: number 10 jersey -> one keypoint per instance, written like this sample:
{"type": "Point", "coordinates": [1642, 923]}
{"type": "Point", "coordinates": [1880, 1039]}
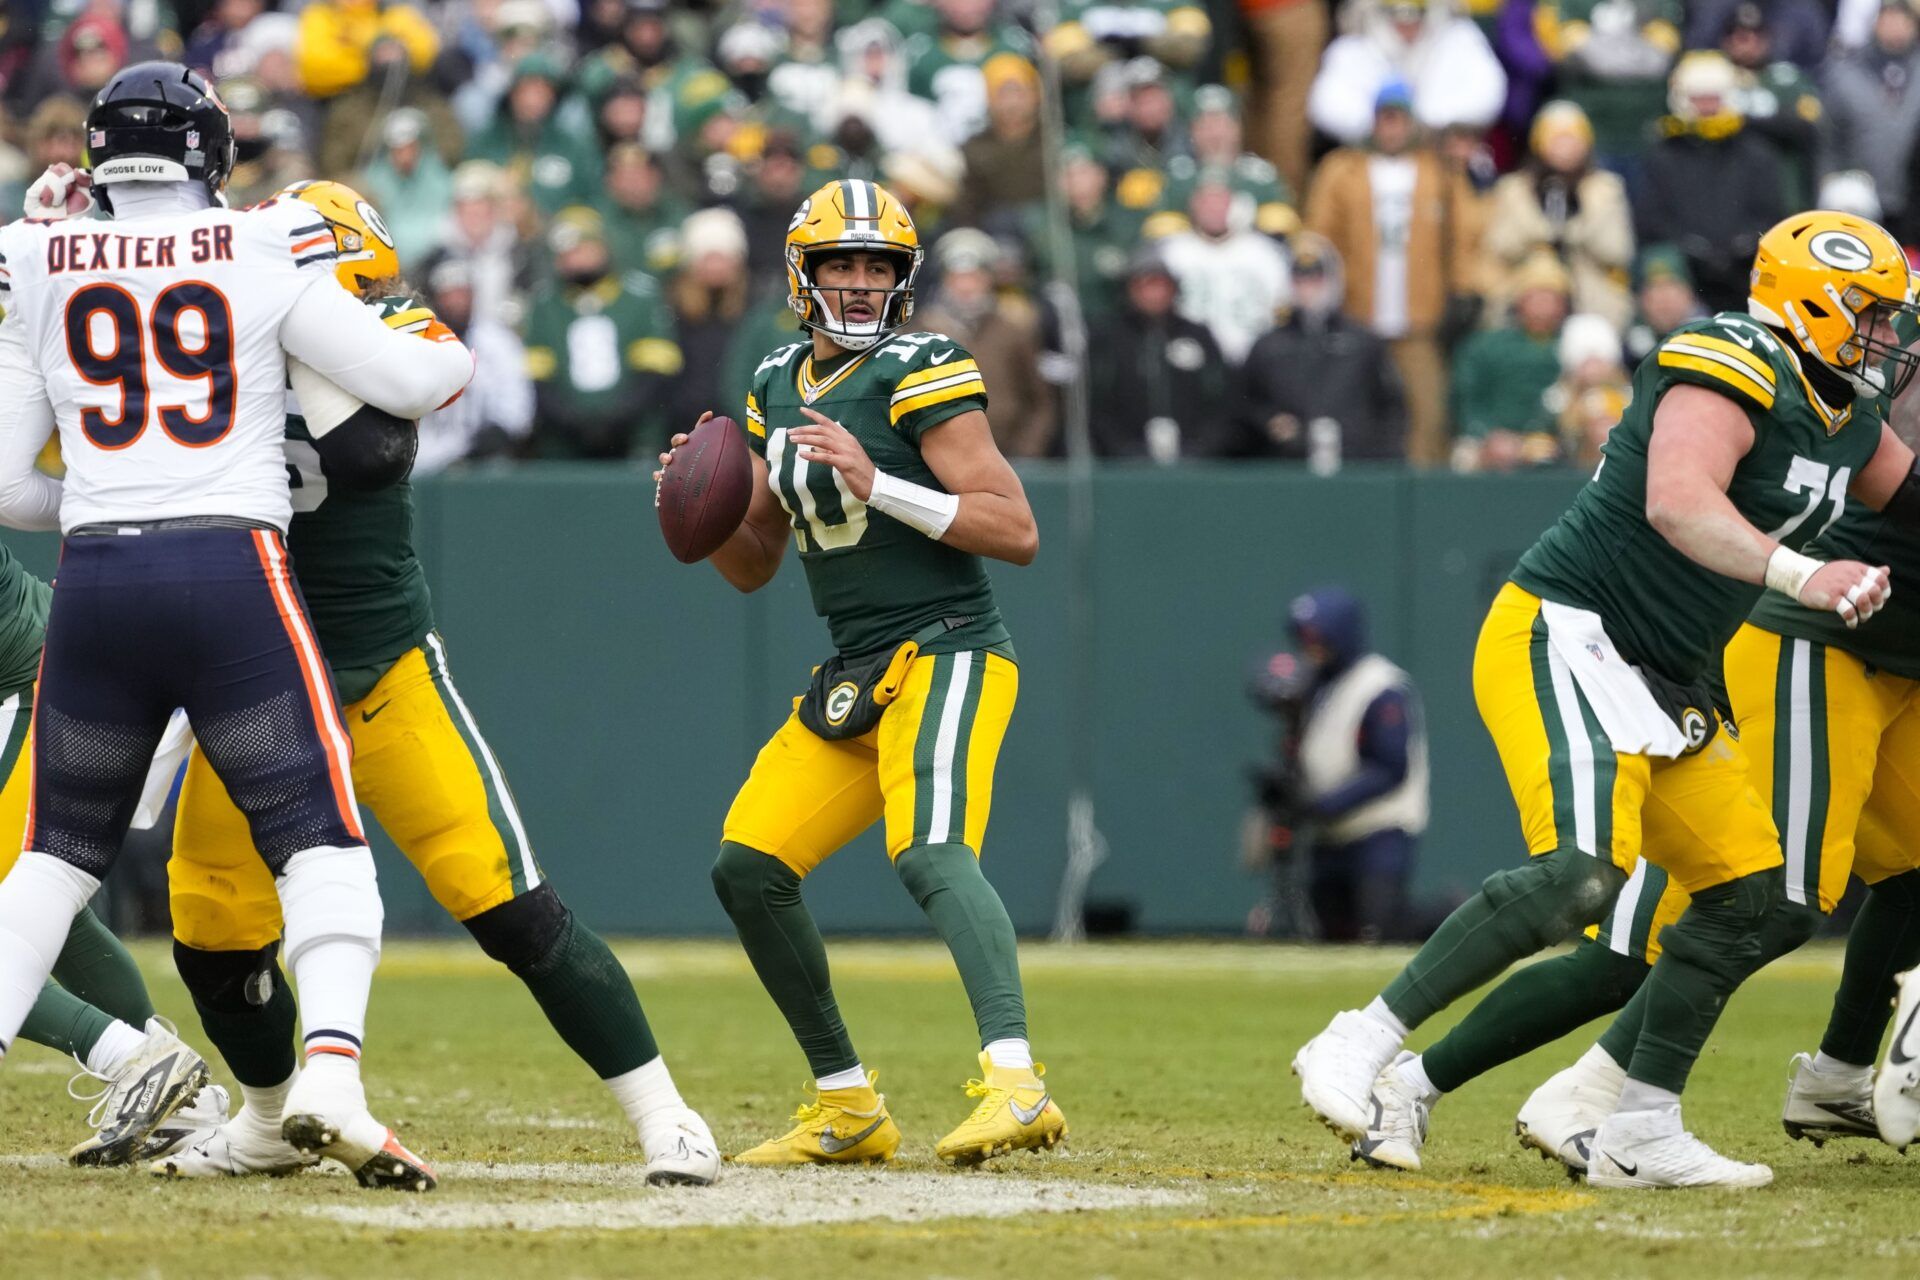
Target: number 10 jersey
{"type": "Point", "coordinates": [157, 341]}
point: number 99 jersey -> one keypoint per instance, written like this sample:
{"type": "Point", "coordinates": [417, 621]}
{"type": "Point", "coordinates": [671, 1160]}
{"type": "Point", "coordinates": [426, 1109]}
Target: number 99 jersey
{"type": "Point", "coordinates": [157, 340]}
{"type": "Point", "coordinates": [1661, 609]}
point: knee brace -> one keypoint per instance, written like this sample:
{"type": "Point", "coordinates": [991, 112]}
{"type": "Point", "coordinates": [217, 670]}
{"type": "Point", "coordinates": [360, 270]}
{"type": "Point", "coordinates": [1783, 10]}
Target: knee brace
{"type": "Point", "coordinates": [524, 931]}
{"type": "Point", "coordinates": [745, 879]}
{"type": "Point", "coordinates": [229, 981]}
{"type": "Point", "coordinates": [330, 894]}
{"type": "Point", "coordinates": [1721, 930]}
{"type": "Point", "coordinates": [1555, 894]}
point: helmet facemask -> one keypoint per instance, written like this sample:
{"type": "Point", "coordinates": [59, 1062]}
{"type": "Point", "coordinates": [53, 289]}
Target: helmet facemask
{"type": "Point", "coordinates": [809, 299]}
{"type": "Point", "coordinates": [1872, 365]}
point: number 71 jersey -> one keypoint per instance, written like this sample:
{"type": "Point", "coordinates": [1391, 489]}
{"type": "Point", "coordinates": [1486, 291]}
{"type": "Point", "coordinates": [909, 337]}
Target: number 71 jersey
{"type": "Point", "coordinates": [876, 581]}
{"type": "Point", "coordinates": [158, 342]}
{"type": "Point", "coordinates": [1660, 608]}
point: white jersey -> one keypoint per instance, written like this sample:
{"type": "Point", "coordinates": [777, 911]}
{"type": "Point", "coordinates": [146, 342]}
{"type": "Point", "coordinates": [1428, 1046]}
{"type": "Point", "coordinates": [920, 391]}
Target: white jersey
{"type": "Point", "coordinates": [159, 343]}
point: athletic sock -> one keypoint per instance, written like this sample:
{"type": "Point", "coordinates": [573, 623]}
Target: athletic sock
{"type": "Point", "coordinates": [65, 1023]}
{"type": "Point", "coordinates": [946, 881]}
{"type": "Point", "coordinates": [645, 1091]}
{"type": "Point", "coordinates": [333, 979]}
{"type": "Point", "coordinates": [1378, 1011]}
{"type": "Point", "coordinates": [1830, 1066]}
{"type": "Point", "coordinates": [587, 996]}
{"type": "Point", "coordinates": [1517, 913]}
{"type": "Point", "coordinates": [1413, 1073]}
{"type": "Point", "coordinates": [38, 900]}
{"type": "Point", "coordinates": [1534, 1006]}
{"type": "Point", "coordinates": [97, 967]}
{"type": "Point", "coordinates": [1603, 1067]}
{"type": "Point", "coordinates": [266, 1105]}
{"type": "Point", "coordinates": [330, 900]}
{"type": "Point", "coordinates": [1012, 1054]}
{"type": "Point", "coordinates": [1884, 941]}
{"type": "Point", "coordinates": [114, 1046]}
{"type": "Point", "coordinates": [854, 1077]}
{"type": "Point", "coordinates": [1638, 1095]}
{"type": "Point", "coordinates": [761, 895]}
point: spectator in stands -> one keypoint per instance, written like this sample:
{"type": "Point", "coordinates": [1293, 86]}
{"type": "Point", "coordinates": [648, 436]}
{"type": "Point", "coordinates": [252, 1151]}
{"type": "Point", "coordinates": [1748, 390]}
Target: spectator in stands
{"type": "Point", "coordinates": [620, 112]}
{"type": "Point", "coordinates": [207, 47]}
{"type": "Point", "coordinates": [1559, 202]}
{"type": "Point", "coordinates": [93, 48]}
{"type": "Point", "coordinates": [1100, 232]}
{"type": "Point", "coordinates": [1501, 378]}
{"type": "Point", "coordinates": [1005, 164]}
{"type": "Point", "coordinates": [709, 296]}
{"type": "Point", "coordinates": [1001, 332]}
{"type": "Point", "coordinates": [1850, 191]}
{"type": "Point", "coordinates": [55, 134]}
{"type": "Point", "coordinates": [1214, 141]}
{"type": "Point", "coordinates": [411, 185]}
{"type": "Point", "coordinates": [601, 351]}
{"type": "Point", "coordinates": [481, 233]}
{"type": "Point", "coordinates": [1158, 385]}
{"type": "Point", "coordinates": [1093, 34]}
{"type": "Point", "coordinates": [640, 216]}
{"type": "Point", "coordinates": [269, 145]}
{"type": "Point", "coordinates": [873, 86]}
{"type": "Point", "coordinates": [809, 64]}
{"type": "Point", "coordinates": [539, 147]}
{"type": "Point", "coordinates": [1872, 97]}
{"type": "Point", "coordinates": [1592, 391]}
{"type": "Point", "coordinates": [1138, 144]}
{"type": "Point", "coordinates": [1663, 301]}
{"type": "Point", "coordinates": [358, 55]}
{"type": "Point", "coordinates": [1445, 63]}
{"type": "Point", "coordinates": [947, 66]}
{"type": "Point", "coordinates": [1285, 38]}
{"type": "Point", "coordinates": [491, 39]}
{"type": "Point", "coordinates": [1232, 279]}
{"type": "Point", "coordinates": [1404, 227]}
{"type": "Point", "coordinates": [1319, 378]}
{"type": "Point", "coordinates": [1778, 99]}
{"type": "Point", "coordinates": [495, 413]}
{"type": "Point", "coordinates": [1798, 28]}
{"type": "Point", "coordinates": [1711, 186]}
{"type": "Point", "coordinates": [1612, 58]}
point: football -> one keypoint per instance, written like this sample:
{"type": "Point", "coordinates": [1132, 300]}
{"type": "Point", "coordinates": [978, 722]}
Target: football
{"type": "Point", "coordinates": [705, 489]}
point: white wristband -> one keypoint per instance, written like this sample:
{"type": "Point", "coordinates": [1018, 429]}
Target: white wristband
{"type": "Point", "coordinates": [1788, 571]}
{"type": "Point", "coordinates": [928, 510]}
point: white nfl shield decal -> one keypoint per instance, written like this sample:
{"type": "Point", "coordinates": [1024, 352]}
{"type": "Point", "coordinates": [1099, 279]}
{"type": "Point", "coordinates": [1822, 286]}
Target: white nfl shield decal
{"type": "Point", "coordinates": [193, 139]}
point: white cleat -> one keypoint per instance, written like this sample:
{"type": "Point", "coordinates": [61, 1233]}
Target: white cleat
{"type": "Point", "coordinates": [1820, 1105]}
{"type": "Point", "coordinates": [680, 1151]}
{"type": "Point", "coordinates": [327, 1116]}
{"type": "Point", "coordinates": [1559, 1118]}
{"type": "Point", "coordinates": [190, 1124]}
{"type": "Point", "coordinates": [1337, 1069]}
{"type": "Point", "coordinates": [1652, 1150]}
{"type": "Point", "coordinates": [1399, 1126]}
{"type": "Point", "coordinates": [1896, 1094]}
{"type": "Point", "coordinates": [237, 1149]}
{"type": "Point", "coordinates": [162, 1076]}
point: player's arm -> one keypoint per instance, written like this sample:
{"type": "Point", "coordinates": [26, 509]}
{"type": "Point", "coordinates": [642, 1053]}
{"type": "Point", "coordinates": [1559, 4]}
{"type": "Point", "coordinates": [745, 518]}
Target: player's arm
{"type": "Point", "coordinates": [984, 509]}
{"type": "Point", "coordinates": [29, 498]}
{"type": "Point", "coordinates": [1890, 482]}
{"type": "Point", "coordinates": [1699, 437]}
{"type": "Point", "coordinates": [341, 339]}
{"type": "Point", "coordinates": [749, 559]}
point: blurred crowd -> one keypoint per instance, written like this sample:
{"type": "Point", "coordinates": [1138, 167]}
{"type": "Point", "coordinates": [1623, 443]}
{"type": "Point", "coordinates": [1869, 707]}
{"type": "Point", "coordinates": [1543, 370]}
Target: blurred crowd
{"type": "Point", "coordinates": [1382, 229]}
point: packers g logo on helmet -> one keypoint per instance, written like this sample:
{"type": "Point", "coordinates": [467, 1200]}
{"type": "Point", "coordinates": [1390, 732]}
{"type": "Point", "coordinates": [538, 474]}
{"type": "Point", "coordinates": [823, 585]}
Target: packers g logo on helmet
{"type": "Point", "coordinates": [847, 216]}
{"type": "Point", "coordinates": [360, 234]}
{"type": "Point", "coordinates": [1829, 280]}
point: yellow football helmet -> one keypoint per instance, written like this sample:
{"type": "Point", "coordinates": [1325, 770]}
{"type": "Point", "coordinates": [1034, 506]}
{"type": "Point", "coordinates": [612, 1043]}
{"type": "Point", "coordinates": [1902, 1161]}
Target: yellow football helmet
{"type": "Point", "coordinates": [851, 214]}
{"type": "Point", "coordinates": [1828, 279]}
{"type": "Point", "coordinates": [359, 233]}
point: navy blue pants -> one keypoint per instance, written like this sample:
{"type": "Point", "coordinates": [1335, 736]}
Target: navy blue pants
{"type": "Point", "coordinates": [206, 619]}
{"type": "Point", "coordinates": [1359, 889]}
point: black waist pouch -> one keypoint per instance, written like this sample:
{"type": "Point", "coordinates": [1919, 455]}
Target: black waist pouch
{"type": "Point", "coordinates": [1700, 707]}
{"type": "Point", "coordinates": [849, 695]}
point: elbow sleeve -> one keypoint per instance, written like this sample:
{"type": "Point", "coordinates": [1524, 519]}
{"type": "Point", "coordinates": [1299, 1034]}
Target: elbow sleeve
{"type": "Point", "coordinates": [371, 450]}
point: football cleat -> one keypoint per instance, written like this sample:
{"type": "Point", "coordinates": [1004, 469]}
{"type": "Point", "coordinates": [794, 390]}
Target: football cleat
{"type": "Point", "coordinates": [1896, 1094]}
{"type": "Point", "coordinates": [1821, 1105]}
{"type": "Point", "coordinates": [1559, 1118]}
{"type": "Point", "coordinates": [160, 1077]}
{"type": "Point", "coordinates": [327, 1116]}
{"type": "Point", "coordinates": [1337, 1069]}
{"type": "Point", "coordinates": [680, 1150]}
{"type": "Point", "coordinates": [840, 1126]}
{"type": "Point", "coordinates": [197, 1120]}
{"type": "Point", "coordinates": [1399, 1126]}
{"type": "Point", "coordinates": [239, 1148]}
{"type": "Point", "coordinates": [1015, 1113]}
{"type": "Point", "coordinates": [1651, 1150]}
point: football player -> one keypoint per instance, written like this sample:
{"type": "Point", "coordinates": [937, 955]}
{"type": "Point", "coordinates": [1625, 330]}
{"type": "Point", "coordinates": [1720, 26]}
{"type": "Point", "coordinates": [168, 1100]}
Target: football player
{"type": "Point", "coordinates": [422, 767]}
{"type": "Point", "coordinates": [872, 453]}
{"type": "Point", "coordinates": [1746, 435]}
{"type": "Point", "coordinates": [160, 346]}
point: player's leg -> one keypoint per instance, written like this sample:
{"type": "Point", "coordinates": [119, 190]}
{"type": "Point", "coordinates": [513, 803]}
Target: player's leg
{"type": "Point", "coordinates": [938, 744]}
{"type": "Point", "coordinates": [1579, 807]}
{"type": "Point", "coordinates": [804, 798]}
{"type": "Point", "coordinates": [266, 718]}
{"type": "Point", "coordinates": [435, 786]}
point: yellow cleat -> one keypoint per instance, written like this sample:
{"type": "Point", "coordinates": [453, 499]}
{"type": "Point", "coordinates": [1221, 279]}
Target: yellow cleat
{"type": "Point", "coordinates": [840, 1126]}
{"type": "Point", "coordinates": [1015, 1113]}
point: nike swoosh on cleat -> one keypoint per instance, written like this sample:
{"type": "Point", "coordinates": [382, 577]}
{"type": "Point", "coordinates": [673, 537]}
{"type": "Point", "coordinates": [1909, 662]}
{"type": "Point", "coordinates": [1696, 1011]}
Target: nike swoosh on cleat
{"type": "Point", "coordinates": [1895, 1054]}
{"type": "Point", "coordinates": [834, 1145]}
{"type": "Point", "coordinates": [1631, 1170]}
{"type": "Point", "coordinates": [1025, 1116]}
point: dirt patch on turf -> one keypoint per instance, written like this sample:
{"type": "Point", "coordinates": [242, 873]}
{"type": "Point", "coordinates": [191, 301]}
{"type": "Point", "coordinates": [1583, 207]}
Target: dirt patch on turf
{"type": "Point", "coordinates": [799, 1198]}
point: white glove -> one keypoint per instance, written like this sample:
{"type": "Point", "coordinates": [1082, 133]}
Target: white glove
{"type": "Point", "coordinates": [61, 192]}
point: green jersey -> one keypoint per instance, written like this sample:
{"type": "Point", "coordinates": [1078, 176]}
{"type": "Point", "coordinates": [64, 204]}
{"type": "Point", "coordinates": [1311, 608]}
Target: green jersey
{"type": "Point", "coordinates": [365, 589]}
{"type": "Point", "coordinates": [876, 581]}
{"type": "Point", "coordinates": [1661, 609]}
{"type": "Point", "coordinates": [24, 601]}
{"type": "Point", "coordinates": [1890, 639]}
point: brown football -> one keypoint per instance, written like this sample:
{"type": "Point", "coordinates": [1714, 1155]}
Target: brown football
{"type": "Point", "coordinates": [704, 491]}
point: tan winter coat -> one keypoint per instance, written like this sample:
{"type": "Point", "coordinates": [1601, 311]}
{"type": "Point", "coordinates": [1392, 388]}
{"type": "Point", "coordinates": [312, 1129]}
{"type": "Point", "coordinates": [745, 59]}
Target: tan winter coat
{"type": "Point", "coordinates": [1597, 250]}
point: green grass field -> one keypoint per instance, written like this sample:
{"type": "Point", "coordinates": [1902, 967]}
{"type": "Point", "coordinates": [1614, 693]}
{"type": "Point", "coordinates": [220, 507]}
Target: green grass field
{"type": "Point", "coordinates": [1189, 1151]}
